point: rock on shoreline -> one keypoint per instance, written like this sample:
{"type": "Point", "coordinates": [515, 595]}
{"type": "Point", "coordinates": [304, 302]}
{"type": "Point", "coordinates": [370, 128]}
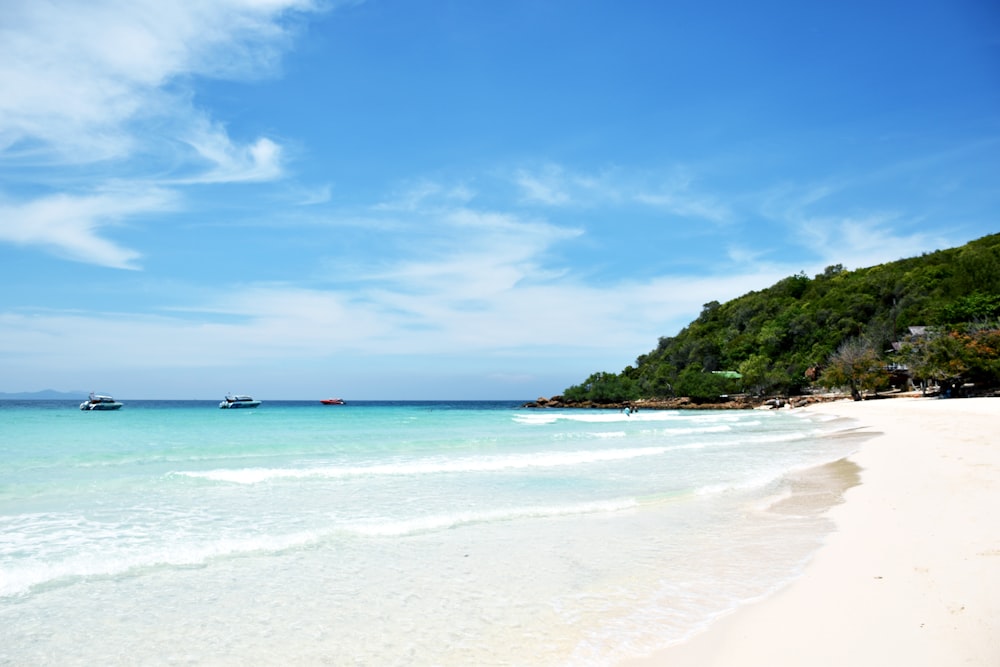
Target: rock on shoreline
{"type": "Point", "coordinates": [684, 403]}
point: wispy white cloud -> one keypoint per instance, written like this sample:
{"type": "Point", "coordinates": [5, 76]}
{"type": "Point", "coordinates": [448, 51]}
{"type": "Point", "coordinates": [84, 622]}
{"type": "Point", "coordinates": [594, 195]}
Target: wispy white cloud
{"type": "Point", "coordinates": [466, 252]}
{"type": "Point", "coordinates": [687, 205]}
{"type": "Point", "coordinates": [229, 162]}
{"type": "Point", "coordinates": [425, 195]}
{"type": "Point", "coordinates": [320, 194]}
{"type": "Point", "coordinates": [549, 186]}
{"type": "Point", "coordinates": [674, 193]}
{"type": "Point", "coordinates": [71, 71]}
{"type": "Point", "coordinates": [69, 225]}
{"type": "Point", "coordinates": [857, 241]}
{"type": "Point", "coordinates": [104, 82]}
{"type": "Point", "coordinates": [814, 216]}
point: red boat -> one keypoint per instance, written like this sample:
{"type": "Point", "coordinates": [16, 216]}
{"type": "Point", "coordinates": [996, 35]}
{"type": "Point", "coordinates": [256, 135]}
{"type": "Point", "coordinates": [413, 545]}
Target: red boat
{"type": "Point", "coordinates": [332, 401]}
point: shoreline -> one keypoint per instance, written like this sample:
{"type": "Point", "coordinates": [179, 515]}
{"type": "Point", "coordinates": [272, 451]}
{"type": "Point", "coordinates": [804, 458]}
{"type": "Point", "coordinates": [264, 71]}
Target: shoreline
{"type": "Point", "coordinates": [911, 573]}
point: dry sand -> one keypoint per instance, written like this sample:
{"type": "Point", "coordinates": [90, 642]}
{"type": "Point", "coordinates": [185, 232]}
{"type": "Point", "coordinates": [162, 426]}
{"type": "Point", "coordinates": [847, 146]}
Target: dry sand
{"type": "Point", "coordinates": [911, 575]}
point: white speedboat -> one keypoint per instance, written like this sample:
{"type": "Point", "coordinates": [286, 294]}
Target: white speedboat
{"type": "Point", "coordinates": [238, 401]}
{"type": "Point", "coordinates": [100, 402]}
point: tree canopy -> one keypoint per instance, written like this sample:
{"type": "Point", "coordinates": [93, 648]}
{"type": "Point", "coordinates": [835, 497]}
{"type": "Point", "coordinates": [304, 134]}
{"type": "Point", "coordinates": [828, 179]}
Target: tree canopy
{"type": "Point", "coordinates": [780, 340]}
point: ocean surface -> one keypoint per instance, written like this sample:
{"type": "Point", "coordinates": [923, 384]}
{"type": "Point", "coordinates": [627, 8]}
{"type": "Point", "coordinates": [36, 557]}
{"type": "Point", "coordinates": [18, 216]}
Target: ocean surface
{"type": "Point", "coordinates": [391, 533]}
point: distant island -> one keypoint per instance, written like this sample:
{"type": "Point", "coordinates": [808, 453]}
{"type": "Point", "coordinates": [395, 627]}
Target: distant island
{"type": "Point", "coordinates": [930, 322]}
{"type": "Point", "coordinates": [43, 395]}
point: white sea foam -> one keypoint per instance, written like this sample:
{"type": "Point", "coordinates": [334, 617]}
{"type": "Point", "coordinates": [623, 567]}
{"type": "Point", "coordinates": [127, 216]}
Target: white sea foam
{"type": "Point", "coordinates": [593, 417]}
{"type": "Point", "coordinates": [97, 556]}
{"type": "Point", "coordinates": [670, 434]}
{"type": "Point", "coordinates": [695, 430]}
{"type": "Point", "coordinates": [428, 466]}
{"type": "Point", "coordinates": [391, 527]}
{"type": "Point", "coordinates": [773, 437]}
{"type": "Point", "coordinates": [93, 557]}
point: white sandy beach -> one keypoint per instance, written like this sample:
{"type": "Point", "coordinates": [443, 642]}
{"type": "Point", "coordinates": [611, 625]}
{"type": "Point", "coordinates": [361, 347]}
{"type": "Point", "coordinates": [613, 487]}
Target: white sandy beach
{"type": "Point", "coordinates": [911, 576]}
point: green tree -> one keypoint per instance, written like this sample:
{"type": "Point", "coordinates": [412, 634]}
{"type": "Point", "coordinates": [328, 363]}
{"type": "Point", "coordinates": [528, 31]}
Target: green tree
{"type": "Point", "coordinates": [952, 358]}
{"type": "Point", "coordinates": [603, 388]}
{"type": "Point", "coordinates": [756, 372]}
{"type": "Point", "coordinates": [856, 365]}
{"type": "Point", "coordinates": [704, 386]}
{"type": "Point", "coordinates": [975, 307]}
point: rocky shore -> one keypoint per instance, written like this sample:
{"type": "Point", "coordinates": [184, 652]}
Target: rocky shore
{"type": "Point", "coordinates": [740, 402]}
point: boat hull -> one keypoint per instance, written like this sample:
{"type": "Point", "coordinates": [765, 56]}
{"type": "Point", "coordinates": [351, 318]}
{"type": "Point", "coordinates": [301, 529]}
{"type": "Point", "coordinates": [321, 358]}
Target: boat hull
{"type": "Point", "coordinates": [100, 402]}
{"type": "Point", "coordinates": [100, 406]}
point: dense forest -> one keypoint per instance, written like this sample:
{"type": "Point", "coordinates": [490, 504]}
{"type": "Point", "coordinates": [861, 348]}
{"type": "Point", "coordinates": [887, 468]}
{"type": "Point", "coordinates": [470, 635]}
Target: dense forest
{"type": "Point", "coordinates": [933, 318]}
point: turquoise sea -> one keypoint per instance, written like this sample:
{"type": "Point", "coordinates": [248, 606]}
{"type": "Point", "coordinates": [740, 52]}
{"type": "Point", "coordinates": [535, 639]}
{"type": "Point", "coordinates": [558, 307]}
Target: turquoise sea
{"type": "Point", "coordinates": [389, 533]}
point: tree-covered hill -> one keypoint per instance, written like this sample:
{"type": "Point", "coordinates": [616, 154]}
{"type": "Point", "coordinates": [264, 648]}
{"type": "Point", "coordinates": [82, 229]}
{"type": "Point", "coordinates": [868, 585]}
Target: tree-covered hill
{"type": "Point", "coordinates": [780, 340]}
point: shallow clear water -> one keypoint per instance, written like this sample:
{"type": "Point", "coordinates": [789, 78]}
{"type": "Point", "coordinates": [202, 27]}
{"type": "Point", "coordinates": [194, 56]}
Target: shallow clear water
{"type": "Point", "coordinates": [388, 533]}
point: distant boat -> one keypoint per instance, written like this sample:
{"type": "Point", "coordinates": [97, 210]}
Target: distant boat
{"type": "Point", "coordinates": [238, 401]}
{"type": "Point", "coordinates": [332, 401]}
{"type": "Point", "coordinates": [100, 402]}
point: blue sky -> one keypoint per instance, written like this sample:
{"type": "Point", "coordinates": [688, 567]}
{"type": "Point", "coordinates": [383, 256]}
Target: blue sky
{"type": "Point", "coordinates": [453, 199]}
